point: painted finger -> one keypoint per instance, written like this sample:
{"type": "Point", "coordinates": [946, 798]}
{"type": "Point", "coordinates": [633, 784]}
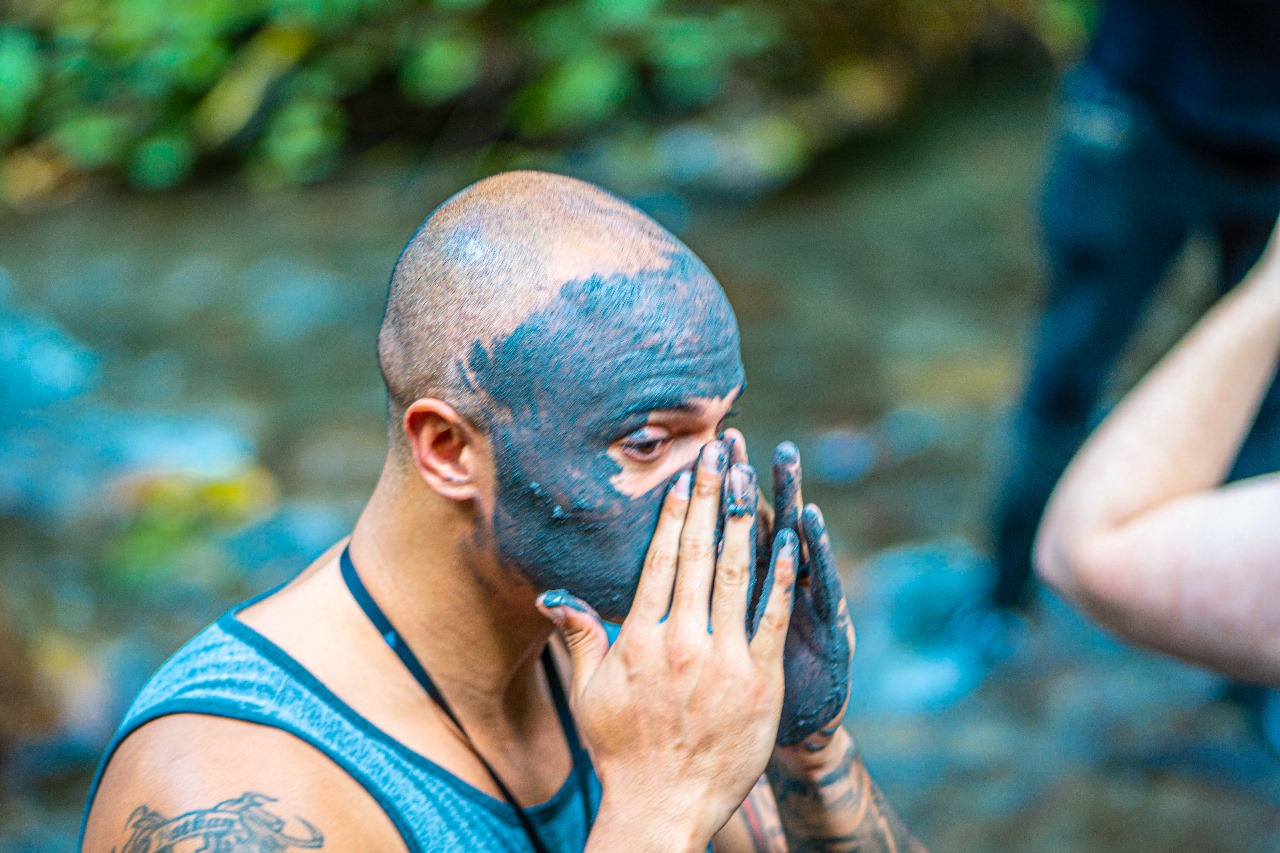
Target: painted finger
{"type": "Point", "coordinates": [771, 636]}
{"type": "Point", "coordinates": [653, 596]}
{"type": "Point", "coordinates": [787, 497]}
{"type": "Point", "coordinates": [737, 446]}
{"type": "Point", "coordinates": [583, 633]}
{"type": "Point", "coordinates": [824, 576]}
{"type": "Point", "coordinates": [696, 567]}
{"type": "Point", "coordinates": [730, 596]}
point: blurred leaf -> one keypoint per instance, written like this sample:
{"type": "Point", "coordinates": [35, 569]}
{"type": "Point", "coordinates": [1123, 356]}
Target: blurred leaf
{"type": "Point", "coordinates": [161, 161]}
{"type": "Point", "coordinates": [302, 140]}
{"type": "Point", "coordinates": [558, 31]}
{"type": "Point", "coordinates": [686, 42]}
{"type": "Point", "coordinates": [622, 15]}
{"type": "Point", "coordinates": [750, 29]}
{"type": "Point", "coordinates": [443, 66]}
{"type": "Point", "coordinates": [238, 96]}
{"type": "Point", "coordinates": [578, 91]}
{"type": "Point", "coordinates": [21, 75]}
{"type": "Point", "coordinates": [92, 139]}
{"type": "Point", "coordinates": [461, 5]}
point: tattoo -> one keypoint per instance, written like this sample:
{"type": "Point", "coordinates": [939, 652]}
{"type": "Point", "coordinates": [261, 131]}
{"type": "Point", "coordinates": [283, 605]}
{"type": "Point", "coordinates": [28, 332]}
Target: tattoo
{"type": "Point", "coordinates": [841, 811]}
{"type": "Point", "coordinates": [760, 813]}
{"type": "Point", "coordinates": [242, 825]}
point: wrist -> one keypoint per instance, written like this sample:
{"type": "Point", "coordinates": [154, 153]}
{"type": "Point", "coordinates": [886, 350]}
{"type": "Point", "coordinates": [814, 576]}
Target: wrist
{"type": "Point", "coordinates": [637, 824]}
{"type": "Point", "coordinates": [815, 756]}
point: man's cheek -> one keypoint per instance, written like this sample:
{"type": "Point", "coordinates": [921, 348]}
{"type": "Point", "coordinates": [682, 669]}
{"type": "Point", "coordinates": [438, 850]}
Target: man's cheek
{"type": "Point", "coordinates": [615, 555]}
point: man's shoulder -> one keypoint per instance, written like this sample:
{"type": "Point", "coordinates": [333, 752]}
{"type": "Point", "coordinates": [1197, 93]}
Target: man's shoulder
{"type": "Point", "coordinates": [195, 778]}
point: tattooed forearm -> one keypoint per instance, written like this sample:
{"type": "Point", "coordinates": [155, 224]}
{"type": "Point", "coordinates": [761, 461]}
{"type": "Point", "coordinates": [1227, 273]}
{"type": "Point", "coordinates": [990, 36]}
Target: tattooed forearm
{"type": "Point", "coordinates": [838, 811]}
{"type": "Point", "coordinates": [242, 825]}
{"type": "Point", "coordinates": [763, 824]}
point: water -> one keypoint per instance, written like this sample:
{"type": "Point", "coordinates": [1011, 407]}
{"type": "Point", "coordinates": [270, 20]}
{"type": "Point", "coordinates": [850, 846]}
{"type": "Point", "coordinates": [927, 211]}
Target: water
{"type": "Point", "coordinates": [207, 413]}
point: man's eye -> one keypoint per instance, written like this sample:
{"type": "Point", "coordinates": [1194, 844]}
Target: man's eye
{"type": "Point", "coordinates": [644, 447]}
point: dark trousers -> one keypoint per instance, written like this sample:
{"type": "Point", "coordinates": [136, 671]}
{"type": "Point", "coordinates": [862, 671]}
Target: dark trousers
{"type": "Point", "coordinates": [1121, 197]}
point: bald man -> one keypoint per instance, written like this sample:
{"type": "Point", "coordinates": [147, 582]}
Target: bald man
{"type": "Point", "coordinates": [559, 369]}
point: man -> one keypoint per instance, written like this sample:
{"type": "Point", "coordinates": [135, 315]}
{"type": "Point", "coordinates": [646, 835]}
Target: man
{"type": "Point", "coordinates": [1169, 128]}
{"type": "Point", "coordinates": [1140, 534]}
{"type": "Point", "coordinates": [556, 363]}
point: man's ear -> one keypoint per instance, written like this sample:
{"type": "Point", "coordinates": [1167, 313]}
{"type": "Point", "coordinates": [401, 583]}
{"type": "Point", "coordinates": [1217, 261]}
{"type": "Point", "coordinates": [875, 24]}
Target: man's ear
{"type": "Point", "coordinates": [445, 448]}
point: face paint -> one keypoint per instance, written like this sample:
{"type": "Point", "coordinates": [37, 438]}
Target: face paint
{"type": "Point", "coordinates": [573, 378]}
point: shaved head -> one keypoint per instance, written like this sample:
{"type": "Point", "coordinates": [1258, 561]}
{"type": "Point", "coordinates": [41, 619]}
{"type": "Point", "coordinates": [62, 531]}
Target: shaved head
{"type": "Point", "coordinates": [558, 319]}
{"type": "Point", "coordinates": [488, 258]}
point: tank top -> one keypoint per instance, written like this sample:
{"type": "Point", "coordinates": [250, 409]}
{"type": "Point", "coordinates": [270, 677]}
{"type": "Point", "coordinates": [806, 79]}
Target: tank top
{"type": "Point", "coordinates": [230, 670]}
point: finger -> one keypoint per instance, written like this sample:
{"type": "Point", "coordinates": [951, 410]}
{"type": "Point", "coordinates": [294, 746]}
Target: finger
{"type": "Point", "coordinates": [758, 595]}
{"type": "Point", "coordinates": [696, 567]}
{"type": "Point", "coordinates": [653, 595]}
{"type": "Point", "coordinates": [583, 633]}
{"type": "Point", "coordinates": [737, 445]}
{"type": "Point", "coordinates": [771, 636]}
{"type": "Point", "coordinates": [787, 498]}
{"type": "Point", "coordinates": [824, 576]}
{"type": "Point", "coordinates": [733, 568]}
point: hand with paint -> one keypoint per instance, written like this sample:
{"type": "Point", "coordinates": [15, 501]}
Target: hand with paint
{"type": "Point", "coordinates": [820, 641]}
{"type": "Point", "coordinates": [653, 708]}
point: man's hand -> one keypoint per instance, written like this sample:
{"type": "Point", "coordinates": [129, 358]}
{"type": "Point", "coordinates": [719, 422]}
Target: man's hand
{"type": "Point", "coordinates": [820, 642]}
{"type": "Point", "coordinates": [681, 714]}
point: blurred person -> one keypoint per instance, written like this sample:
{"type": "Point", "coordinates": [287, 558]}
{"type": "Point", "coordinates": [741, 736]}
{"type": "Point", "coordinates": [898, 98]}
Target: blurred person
{"type": "Point", "coordinates": [1141, 534]}
{"type": "Point", "coordinates": [559, 369]}
{"type": "Point", "coordinates": [1170, 127]}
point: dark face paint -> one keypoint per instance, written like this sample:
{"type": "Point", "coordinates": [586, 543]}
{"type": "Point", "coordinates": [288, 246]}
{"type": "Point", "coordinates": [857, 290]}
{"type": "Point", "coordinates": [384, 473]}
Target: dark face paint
{"type": "Point", "coordinates": [575, 377]}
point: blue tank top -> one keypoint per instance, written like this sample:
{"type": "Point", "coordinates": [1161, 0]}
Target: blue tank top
{"type": "Point", "coordinates": [230, 670]}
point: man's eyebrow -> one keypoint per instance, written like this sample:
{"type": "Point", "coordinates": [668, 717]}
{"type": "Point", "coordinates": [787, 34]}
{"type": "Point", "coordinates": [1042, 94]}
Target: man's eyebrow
{"type": "Point", "coordinates": [680, 405]}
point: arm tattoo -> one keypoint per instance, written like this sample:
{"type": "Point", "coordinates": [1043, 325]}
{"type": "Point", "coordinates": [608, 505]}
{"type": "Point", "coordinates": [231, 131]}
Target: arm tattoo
{"type": "Point", "coordinates": [242, 825]}
{"type": "Point", "coordinates": [763, 824]}
{"type": "Point", "coordinates": [839, 812]}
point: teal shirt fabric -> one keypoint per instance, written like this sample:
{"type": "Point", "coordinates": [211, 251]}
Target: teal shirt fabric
{"type": "Point", "coordinates": [229, 670]}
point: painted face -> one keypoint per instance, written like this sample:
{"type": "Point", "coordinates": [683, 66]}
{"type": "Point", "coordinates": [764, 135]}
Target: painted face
{"type": "Point", "coordinates": [581, 376]}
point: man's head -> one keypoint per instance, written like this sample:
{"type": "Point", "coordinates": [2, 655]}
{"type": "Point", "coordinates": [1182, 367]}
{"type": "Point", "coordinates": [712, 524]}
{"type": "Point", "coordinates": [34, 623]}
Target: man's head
{"type": "Point", "coordinates": [546, 337]}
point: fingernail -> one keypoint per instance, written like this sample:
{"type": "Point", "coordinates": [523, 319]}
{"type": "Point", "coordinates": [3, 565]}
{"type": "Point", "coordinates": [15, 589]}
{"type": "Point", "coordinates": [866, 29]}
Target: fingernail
{"type": "Point", "coordinates": [714, 459]}
{"type": "Point", "coordinates": [683, 486]}
{"type": "Point", "coordinates": [561, 598]}
{"type": "Point", "coordinates": [742, 491]}
{"type": "Point", "coordinates": [785, 543]}
{"type": "Point", "coordinates": [786, 453]}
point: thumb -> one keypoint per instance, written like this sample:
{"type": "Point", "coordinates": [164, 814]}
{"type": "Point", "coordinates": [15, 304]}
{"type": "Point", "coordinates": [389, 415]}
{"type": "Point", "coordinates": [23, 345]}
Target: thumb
{"type": "Point", "coordinates": [582, 630]}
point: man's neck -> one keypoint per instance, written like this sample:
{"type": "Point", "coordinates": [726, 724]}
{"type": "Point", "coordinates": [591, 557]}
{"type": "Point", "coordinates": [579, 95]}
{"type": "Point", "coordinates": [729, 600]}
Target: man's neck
{"type": "Point", "coordinates": [472, 624]}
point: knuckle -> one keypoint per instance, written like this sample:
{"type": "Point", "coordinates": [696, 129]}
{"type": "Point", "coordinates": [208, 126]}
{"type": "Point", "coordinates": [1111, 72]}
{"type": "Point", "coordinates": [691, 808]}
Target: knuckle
{"type": "Point", "coordinates": [662, 561]}
{"type": "Point", "coordinates": [774, 620]}
{"type": "Point", "coordinates": [695, 549]}
{"type": "Point", "coordinates": [732, 573]}
{"type": "Point", "coordinates": [682, 654]}
{"type": "Point", "coordinates": [706, 487]}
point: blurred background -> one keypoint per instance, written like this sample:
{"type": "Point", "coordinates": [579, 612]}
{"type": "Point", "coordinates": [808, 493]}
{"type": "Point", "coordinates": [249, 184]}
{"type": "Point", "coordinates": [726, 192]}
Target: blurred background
{"type": "Point", "coordinates": [200, 204]}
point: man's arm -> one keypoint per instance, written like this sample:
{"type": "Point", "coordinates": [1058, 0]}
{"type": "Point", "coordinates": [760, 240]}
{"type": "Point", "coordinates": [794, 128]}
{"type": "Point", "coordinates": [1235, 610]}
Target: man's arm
{"type": "Point", "coordinates": [1137, 535]}
{"type": "Point", "coordinates": [755, 827]}
{"type": "Point", "coordinates": [828, 802]}
{"type": "Point", "coordinates": [185, 781]}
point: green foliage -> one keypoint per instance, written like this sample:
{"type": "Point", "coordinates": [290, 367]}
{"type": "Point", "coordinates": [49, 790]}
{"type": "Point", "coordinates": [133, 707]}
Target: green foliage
{"type": "Point", "coordinates": [149, 89]}
{"type": "Point", "coordinates": [20, 79]}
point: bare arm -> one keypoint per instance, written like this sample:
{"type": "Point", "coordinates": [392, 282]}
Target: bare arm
{"type": "Point", "coordinates": [1136, 532]}
{"type": "Point", "coordinates": [185, 782]}
{"type": "Point", "coordinates": [755, 827]}
{"type": "Point", "coordinates": [829, 804]}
